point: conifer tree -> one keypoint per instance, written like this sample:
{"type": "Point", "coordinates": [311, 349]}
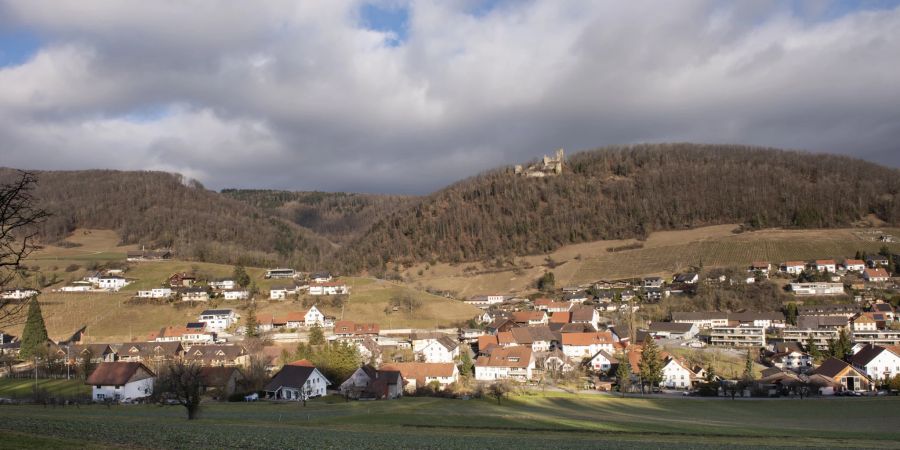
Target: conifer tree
{"type": "Point", "coordinates": [316, 335]}
{"type": "Point", "coordinates": [623, 374]}
{"type": "Point", "coordinates": [250, 322]}
{"type": "Point", "coordinates": [240, 276]}
{"type": "Point", "coordinates": [34, 336]}
{"type": "Point", "coordinates": [466, 368]}
{"type": "Point", "coordinates": [748, 365]}
{"type": "Point", "coordinates": [813, 349]}
{"type": "Point", "coordinates": [651, 365]}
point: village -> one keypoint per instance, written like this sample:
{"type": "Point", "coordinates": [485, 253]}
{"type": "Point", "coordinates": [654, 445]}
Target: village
{"type": "Point", "coordinates": [586, 338]}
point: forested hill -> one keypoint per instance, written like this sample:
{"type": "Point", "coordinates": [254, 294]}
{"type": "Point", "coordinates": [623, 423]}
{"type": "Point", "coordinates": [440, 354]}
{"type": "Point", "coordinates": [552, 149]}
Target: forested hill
{"type": "Point", "coordinates": [628, 192]}
{"type": "Point", "coordinates": [338, 216]}
{"type": "Point", "coordinates": [160, 209]}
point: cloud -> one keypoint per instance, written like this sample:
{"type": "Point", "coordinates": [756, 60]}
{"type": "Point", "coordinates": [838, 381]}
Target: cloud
{"type": "Point", "coordinates": [408, 96]}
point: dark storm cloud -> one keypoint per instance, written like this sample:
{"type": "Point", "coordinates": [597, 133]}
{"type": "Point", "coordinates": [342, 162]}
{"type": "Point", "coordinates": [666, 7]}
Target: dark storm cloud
{"type": "Point", "coordinates": [305, 96]}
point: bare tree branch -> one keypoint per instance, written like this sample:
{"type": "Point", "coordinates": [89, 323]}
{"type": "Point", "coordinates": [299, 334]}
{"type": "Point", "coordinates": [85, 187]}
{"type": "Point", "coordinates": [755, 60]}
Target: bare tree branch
{"type": "Point", "coordinates": [19, 226]}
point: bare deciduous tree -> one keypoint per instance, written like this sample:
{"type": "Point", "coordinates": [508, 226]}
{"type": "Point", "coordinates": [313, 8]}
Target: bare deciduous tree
{"type": "Point", "coordinates": [19, 220]}
{"type": "Point", "coordinates": [181, 382]}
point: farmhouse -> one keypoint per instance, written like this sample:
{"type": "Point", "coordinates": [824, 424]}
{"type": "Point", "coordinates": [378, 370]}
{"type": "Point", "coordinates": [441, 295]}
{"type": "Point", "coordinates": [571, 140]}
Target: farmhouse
{"type": "Point", "coordinates": [280, 292]}
{"type": "Point", "coordinates": [120, 381]}
{"type": "Point", "coordinates": [603, 361]}
{"type": "Point", "coordinates": [296, 382]}
{"type": "Point", "coordinates": [530, 317]}
{"type": "Point", "coordinates": [762, 267]}
{"type": "Point", "coordinates": [686, 278]}
{"type": "Point", "coordinates": [150, 352]}
{"type": "Point", "coordinates": [435, 348]}
{"type": "Point", "coordinates": [843, 310]}
{"type": "Point", "coordinates": [368, 382]}
{"type": "Point", "coordinates": [584, 345]}
{"type": "Point", "coordinates": [181, 280]}
{"type": "Point", "coordinates": [148, 255]}
{"type": "Point", "coordinates": [677, 374]}
{"type": "Point", "coordinates": [790, 356]}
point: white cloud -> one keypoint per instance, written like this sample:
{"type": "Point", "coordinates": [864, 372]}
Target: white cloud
{"type": "Point", "coordinates": [300, 95]}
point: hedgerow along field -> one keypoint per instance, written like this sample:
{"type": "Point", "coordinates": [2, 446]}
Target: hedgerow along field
{"type": "Point", "coordinates": [526, 421]}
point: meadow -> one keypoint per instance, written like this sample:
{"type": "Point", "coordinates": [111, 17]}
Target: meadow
{"type": "Point", "coordinates": [525, 421]}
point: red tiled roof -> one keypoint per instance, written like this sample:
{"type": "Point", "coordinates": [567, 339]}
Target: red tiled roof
{"type": "Point", "coordinates": [518, 356]}
{"type": "Point", "coordinates": [116, 373]}
{"type": "Point", "coordinates": [419, 371]}
{"type": "Point", "coordinates": [561, 317]}
{"type": "Point", "coordinates": [302, 363]}
{"type": "Point", "coordinates": [584, 339]}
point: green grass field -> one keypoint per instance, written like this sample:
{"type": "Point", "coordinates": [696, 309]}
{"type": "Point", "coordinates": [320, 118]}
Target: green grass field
{"type": "Point", "coordinates": [24, 388]}
{"type": "Point", "coordinates": [534, 421]}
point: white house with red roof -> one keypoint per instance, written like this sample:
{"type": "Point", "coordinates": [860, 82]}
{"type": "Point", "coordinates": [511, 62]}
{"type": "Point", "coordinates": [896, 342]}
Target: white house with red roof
{"type": "Point", "coordinates": [876, 275]}
{"type": "Point", "coordinates": [329, 288]}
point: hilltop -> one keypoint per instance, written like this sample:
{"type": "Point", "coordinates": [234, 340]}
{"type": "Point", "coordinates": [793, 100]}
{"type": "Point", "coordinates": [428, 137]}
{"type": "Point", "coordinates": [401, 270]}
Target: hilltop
{"type": "Point", "coordinates": [627, 193]}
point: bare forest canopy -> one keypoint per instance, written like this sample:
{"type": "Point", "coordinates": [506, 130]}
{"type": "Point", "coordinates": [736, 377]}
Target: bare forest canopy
{"type": "Point", "coordinates": [338, 216]}
{"type": "Point", "coordinates": [628, 192]}
{"type": "Point", "coordinates": [610, 193]}
{"type": "Point", "coordinates": [164, 210]}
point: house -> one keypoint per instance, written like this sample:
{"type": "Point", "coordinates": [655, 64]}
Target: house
{"type": "Point", "coordinates": [585, 315]}
{"type": "Point", "coordinates": [874, 261]}
{"type": "Point", "coordinates": [162, 292]}
{"type": "Point", "coordinates": [217, 320]}
{"type": "Point", "coordinates": [181, 280]}
{"type": "Point", "coordinates": [297, 382]}
{"type": "Point", "coordinates": [849, 377]}
{"type": "Point", "coordinates": [762, 267]}
{"type": "Point", "coordinates": [148, 255]}
{"type": "Point", "coordinates": [223, 284]}
{"type": "Point", "coordinates": [876, 275]}
{"type": "Point", "coordinates": [577, 297]}
{"type": "Point", "coordinates": [96, 353]}
{"type": "Point", "coordinates": [280, 292]}
{"type": "Point", "coordinates": [320, 277]}
{"type": "Point", "coordinates": [686, 278]}
{"type": "Point", "coordinates": [421, 374]}
{"type": "Point", "coordinates": [652, 282]}
{"type": "Point", "coordinates": [194, 294]}
{"type": "Point", "coordinates": [673, 330]}
{"type": "Point", "coordinates": [469, 335]}
{"type": "Point", "coordinates": [236, 294]}
{"type": "Point", "coordinates": [767, 320]}
{"type": "Point", "coordinates": [854, 265]}
{"type": "Point", "coordinates": [120, 381]}
{"type": "Point", "coordinates": [349, 329]}
{"type": "Point", "coordinates": [530, 317]}
{"type": "Point", "coordinates": [329, 288]}
{"type": "Point", "coordinates": [863, 322]}
{"type": "Point", "coordinates": [886, 309]}
{"type": "Point", "coordinates": [817, 288]}
{"type": "Point", "coordinates": [701, 319]}
{"type": "Point", "coordinates": [217, 355]}
{"type": "Point", "coordinates": [825, 265]}
{"type": "Point", "coordinates": [538, 338]}
{"type": "Point", "coordinates": [877, 362]}
{"type": "Point", "coordinates": [790, 356]}
{"type": "Point", "coordinates": [443, 349]}
{"type": "Point", "coordinates": [368, 382]}
{"type": "Point", "coordinates": [676, 374]}
{"type": "Point", "coordinates": [222, 380]}
{"type": "Point", "coordinates": [602, 361]}
{"type": "Point", "coordinates": [585, 345]}
{"type": "Point", "coordinates": [793, 267]}
{"type": "Point", "coordinates": [516, 363]}
{"type": "Point", "coordinates": [80, 286]}
{"type": "Point", "coordinates": [500, 324]}
{"type": "Point", "coordinates": [312, 317]}
{"type": "Point", "coordinates": [111, 282]}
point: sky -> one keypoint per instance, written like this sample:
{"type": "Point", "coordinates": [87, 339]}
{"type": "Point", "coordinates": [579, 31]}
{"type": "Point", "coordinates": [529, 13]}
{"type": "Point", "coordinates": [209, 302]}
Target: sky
{"type": "Point", "coordinates": [407, 96]}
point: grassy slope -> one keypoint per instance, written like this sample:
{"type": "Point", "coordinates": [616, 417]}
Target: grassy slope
{"type": "Point", "coordinates": [17, 388]}
{"type": "Point", "coordinates": [554, 420]}
{"type": "Point", "coordinates": [663, 254]}
{"type": "Point", "coordinates": [110, 318]}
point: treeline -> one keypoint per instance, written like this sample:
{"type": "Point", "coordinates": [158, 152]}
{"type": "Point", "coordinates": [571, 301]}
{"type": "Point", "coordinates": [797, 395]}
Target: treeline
{"type": "Point", "coordinates": [338, 216]}
{"type": "Point", "coordinates": [164, 210]}
{"type": "Point", "coordinates": [628, 192]}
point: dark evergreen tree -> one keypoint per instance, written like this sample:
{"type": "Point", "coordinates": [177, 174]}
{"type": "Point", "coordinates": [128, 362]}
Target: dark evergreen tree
{"type": "Point", "coordinates": [651, 366]}
{"type": "Point", "coordinates": [34, 336]}
{"type": "Point", "coordinates": [623, 374]}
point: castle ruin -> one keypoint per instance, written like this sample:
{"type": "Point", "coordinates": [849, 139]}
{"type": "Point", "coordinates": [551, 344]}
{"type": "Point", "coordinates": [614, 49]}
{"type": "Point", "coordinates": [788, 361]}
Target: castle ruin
{"type": "Point", "coordinates": [547, 167]}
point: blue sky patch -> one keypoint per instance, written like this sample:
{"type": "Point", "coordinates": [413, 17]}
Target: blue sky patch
{"type": "Point", "coordinates": [393, 19]}
{"type": "Point", "coordinates": [17, 46]}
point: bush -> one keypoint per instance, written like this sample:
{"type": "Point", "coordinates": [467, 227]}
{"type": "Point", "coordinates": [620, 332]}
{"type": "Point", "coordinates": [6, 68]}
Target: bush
{"type": "Point", "coordinates": [72, 267]}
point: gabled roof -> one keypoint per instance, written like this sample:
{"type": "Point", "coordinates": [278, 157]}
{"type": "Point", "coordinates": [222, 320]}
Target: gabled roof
{"type": "Point", "coordinates": [217, 312]}
{"type": "Point", "coordinates": [883, 307]}
{"type": "Point", "coordinates": [831, 367]}
{"type": "Point", "coordinates": [671, 327]}
{"type": "Point", "coordinates": [877, 272]}
{"type": "Point", "coordinates": [419, 371]}
{"type": "Point", "coordinates": [118, 373]}
{"type": "Point", "coordinates": [582, 314]}
{"type": "Point", "coordinates": [560, 317]}
{"type": "Point", "coordinates": [585, 339]}
{"type": "Point", "coordinates": [868, 353]}
{"type": "Point", "coordinates": [528, 316]}
{"type": "Point", "coordinates": [290, 376]}
{"type": "Point", "coordinates": [854, 262]}
{"type": "Point", "coordinates": [518, 356]}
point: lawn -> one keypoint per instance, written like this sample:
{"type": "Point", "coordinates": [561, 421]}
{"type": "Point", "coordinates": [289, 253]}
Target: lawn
{"type": "Point", "coordinates": [24, 388]}
{"type": "Point", "coordinates": [534, 421]}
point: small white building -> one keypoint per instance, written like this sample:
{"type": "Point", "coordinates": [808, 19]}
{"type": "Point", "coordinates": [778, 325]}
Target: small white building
{"type": "Point", "coordinates": [330, 288]}
{"type": "Point", "coordinates": [515, 363]}
{"type": "Point", "coordinates": [297, 382]}
{"type": "Point", "coordinates": [156, 293]}
{"type": "Point", "coordinates": [18, 294]}
{"type": "Point", "coordinates": [676, 375]}
{"type": "Point", "coordinates": [120, 381]}
{"type": "Point", "coordinates": [876, 275]}
{"type": "Point", "coordinates": [111, 282]}
{"type": "Point", "coordinates": [441, 350]}
{"type": "Point", "coordinates": [879, 363]}
{"type": "Point", "coordinates": [223, 284]}
{"type": "Point", "coordinates": [793, 267]}
{"type": "Point", "coordinates": [825, 265]}
{"type": "Point", "coordinates": [854, 265]}
{"type": "Point", "coordinates": [78, 286]}
{"type": "Point", "coordinates": [217, 320]}
{"type": "Point", "coordinates": [236, 294]}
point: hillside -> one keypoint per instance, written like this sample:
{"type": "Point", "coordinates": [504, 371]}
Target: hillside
{"type": "Point", "coordinates": [338, 216]}
{"type": "Point", "coordinates": [628, 192]}
{"type": "Point", "coordinates": [160, 209]}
